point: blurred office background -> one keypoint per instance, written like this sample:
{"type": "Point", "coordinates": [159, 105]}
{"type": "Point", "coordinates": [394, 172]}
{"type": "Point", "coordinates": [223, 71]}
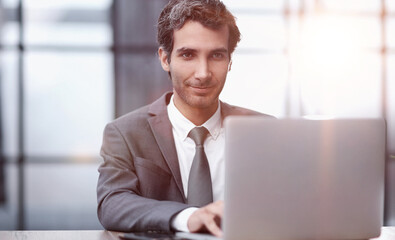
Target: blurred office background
{"type": "Point", "coordinates": [69, 67]}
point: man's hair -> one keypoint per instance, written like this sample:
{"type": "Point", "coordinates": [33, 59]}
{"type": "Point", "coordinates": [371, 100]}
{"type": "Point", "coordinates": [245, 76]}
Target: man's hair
{"type": "Point", "coordinates": [210, 13]}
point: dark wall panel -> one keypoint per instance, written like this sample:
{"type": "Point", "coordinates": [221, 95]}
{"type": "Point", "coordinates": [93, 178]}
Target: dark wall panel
{"type": "Point", "coordinates": [139, 78]}
{"type": "Point", "coordinates": [390, 171]}
{"type": "Point", "coordinates": [2, 155]}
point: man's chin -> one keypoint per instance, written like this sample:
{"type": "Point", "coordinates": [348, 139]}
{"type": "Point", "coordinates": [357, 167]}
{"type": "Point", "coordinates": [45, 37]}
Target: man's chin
{"type": "Point", "coordinates": [203, 102]}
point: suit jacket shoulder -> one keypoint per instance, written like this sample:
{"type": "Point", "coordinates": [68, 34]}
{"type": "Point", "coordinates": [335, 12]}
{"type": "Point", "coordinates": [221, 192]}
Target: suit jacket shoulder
{"type": "Point", "coordinates": [230, 110]}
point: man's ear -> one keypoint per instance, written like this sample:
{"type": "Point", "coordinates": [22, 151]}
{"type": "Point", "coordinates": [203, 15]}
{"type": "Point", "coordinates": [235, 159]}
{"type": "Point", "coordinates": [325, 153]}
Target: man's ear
{"type": "Point", "coordinates": [230, 65]}
{"type": "Point", "coordinates": [163, 57]}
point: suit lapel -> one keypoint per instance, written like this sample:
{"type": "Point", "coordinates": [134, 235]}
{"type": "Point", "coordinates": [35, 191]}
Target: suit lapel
{"type": "Point", "coordinates": [163, 133]}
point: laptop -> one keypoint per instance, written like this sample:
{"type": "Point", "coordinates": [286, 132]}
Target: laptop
{"type": "Point", "coordinates": [295, 179]}
{"type": "Point", "coordinates": [303, 179]}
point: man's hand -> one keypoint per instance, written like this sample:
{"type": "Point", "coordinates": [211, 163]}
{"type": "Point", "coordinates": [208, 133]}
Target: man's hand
{"type": "Point", "coordinates": [207, 218]}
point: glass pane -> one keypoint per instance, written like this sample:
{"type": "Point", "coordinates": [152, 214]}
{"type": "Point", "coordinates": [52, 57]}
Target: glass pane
{"type": "Point", "coordinates": [268, 31]}
{"type": "Point", "coordinates": [9, 210]}
{"type": "Point", "coordinates": [9, 101]}
{"type": "Point", "coordinates": [68, 23]}
{"type": "Point", "coordinates": [68, 102]}
{"type": "Point", "coordinates": [8, 25]}
{"type": "Point", "coordinates": [66, 34]}
{"type": "Point", "coordinates": [90, 4]}
{"type": "Point", "coordinates": [257, 82]}
{"type": "Point", "coordinates": [9, 35]}
{"type": "Point", "coordinates": [10, 3]}
{"type": "Point", "coordinates": [253, 5]}
{"type": "Point", "coordinates": [390, 32]}
{"type": "Point", "coordinates": [342, 86]}
{"type": "Point", "coordinates": [390, 4]}
{"type": "Point", "coordinates": [353, 5]}
{"type": "Point", "coordinates": [308, 6]}
{"type": "Point", "coordinates": [338, 33]}
{"type": "Point", "coordinates": [294, 4]}
{"type": "Point", "coordinates": [68, 200]}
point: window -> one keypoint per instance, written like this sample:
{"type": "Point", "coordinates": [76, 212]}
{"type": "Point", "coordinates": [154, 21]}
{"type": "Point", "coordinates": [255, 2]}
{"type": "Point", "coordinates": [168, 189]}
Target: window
{"type": "Point", "coordinates": [57, 94]}
{"type": "Point", "coordinates": [326, 57]}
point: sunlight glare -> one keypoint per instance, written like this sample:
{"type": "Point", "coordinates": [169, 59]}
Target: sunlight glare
{"type": "Point", "coordinates": [329, 63]}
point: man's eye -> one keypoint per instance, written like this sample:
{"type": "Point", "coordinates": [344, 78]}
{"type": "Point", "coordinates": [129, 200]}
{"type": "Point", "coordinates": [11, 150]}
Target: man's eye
{"type": "Point", "coordinates": [187, 55]}
{"type": "Point", "coordinates": [218, 55]}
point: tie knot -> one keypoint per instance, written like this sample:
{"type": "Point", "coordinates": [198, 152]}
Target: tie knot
{"type": "Point", "coordinates": [198, 135]}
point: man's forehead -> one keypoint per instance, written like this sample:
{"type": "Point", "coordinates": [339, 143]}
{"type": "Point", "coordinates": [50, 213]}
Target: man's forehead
{"type": "Point", "coordinates": [197, 24]}
{"type": "Point", "coordinates": [194, 35]}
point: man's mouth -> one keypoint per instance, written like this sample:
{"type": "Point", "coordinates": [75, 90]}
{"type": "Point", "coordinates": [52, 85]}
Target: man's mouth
{"type": "Point", "coordinates": [201, 89]}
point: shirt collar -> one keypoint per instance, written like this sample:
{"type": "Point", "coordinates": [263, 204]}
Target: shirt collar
{"type": "Point", "coordinates": [183, 126]}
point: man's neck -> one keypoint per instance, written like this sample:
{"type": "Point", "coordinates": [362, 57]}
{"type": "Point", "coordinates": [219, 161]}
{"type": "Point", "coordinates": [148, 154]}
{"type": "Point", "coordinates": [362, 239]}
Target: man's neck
{"type": "Point", "coordinates": [197, 116]}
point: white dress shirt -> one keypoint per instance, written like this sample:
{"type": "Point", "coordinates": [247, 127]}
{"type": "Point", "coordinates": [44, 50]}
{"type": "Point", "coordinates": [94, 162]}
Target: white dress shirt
{"type": "Point", "coordinates": [185, 146]}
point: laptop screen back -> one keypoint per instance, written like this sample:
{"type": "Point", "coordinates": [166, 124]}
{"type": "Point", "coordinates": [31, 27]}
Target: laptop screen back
{"type": "Point", "coordinates": [304, 179]}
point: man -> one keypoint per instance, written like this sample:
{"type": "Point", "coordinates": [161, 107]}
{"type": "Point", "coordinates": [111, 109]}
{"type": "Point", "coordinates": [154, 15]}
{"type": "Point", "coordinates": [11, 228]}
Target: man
{"type": "Point", "coordinates": [148, 154]}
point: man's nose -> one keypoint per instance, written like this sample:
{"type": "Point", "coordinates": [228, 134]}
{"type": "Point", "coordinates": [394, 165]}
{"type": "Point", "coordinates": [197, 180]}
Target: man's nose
{"type": "Point", "coordinates": [202, 71]}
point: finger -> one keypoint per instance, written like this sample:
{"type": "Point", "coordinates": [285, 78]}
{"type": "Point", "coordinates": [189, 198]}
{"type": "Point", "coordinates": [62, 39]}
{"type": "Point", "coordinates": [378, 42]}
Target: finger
{"type": "Point", "coordinates": [216, 208]}
{"type": "Point", "coordinates": [213, 228]}
{"type": "Point", "coordinates": [208, 218]}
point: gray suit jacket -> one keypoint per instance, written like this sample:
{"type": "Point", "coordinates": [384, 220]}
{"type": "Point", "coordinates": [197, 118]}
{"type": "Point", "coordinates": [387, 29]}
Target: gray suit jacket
{"type": "Point", "coordinates": [139, 186]}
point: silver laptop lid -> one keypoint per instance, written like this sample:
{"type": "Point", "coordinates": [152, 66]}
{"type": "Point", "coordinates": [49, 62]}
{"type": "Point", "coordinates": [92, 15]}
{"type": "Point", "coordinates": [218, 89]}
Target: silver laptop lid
{"type": "Point", "coordinates": [304, 179]}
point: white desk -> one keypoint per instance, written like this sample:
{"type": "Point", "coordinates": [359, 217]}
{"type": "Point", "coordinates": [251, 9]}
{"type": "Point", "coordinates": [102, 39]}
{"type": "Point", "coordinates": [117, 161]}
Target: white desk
{"type": "Point", "coordinates": [388, 233]}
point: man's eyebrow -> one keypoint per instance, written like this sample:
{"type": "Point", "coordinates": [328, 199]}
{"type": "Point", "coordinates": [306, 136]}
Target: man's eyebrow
{"type": "Point", "coordinates": [185, 49]}
{"type": "Point", "coordinates": [223, 50]}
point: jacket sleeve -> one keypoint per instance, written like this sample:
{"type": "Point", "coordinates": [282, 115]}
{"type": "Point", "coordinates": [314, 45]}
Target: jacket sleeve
{"type": "Point", "coordinates": [120, 204]}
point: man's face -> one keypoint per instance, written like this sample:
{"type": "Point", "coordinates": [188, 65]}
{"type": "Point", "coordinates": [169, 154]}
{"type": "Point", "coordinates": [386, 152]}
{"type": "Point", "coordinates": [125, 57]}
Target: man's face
{"type": "Point", "coordinates": [198, 67]}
